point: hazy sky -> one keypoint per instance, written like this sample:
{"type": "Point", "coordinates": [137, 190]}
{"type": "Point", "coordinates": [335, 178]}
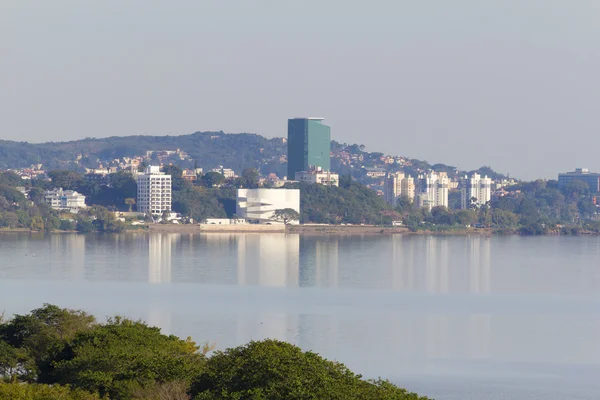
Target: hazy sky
{"type": "Point", "coordinates": [513, 84]}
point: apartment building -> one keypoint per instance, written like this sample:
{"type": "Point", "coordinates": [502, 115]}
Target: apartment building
{"type": "Point", "coordinates": [396, 185]}
{"type": "Point", "coordinates": [432, 189]}
{"type": "Point", "coordinates": [154, 191]}
{"type": "Point", "coordinates": [318, 175]}
{"type": "Point", "coordinates": [476, 191]}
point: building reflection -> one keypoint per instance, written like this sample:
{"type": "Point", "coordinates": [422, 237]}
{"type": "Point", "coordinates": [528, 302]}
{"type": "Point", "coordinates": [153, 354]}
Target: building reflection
{"type": "Point", "coordinates": [440, 264]}
{"type": "Point", "coordinates": [72, 249]}
{"type": "Point", "coordinates": [319, 261]}
{"type": "Point", "coordinates": [268, 259]}
{"type": "Point", "coordinates": [159, 256]}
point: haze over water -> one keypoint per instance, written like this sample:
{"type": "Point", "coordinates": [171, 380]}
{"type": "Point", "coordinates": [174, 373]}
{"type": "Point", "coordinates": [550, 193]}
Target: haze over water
{"type": "Point", "coordinates": [463, 317]}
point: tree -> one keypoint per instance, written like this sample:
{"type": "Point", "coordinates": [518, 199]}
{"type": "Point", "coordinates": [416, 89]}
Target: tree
{"type": "Point", "coordinates": [68, 180]}
{"type": "Point", "coordinates": [123, 356]}
{"type": "Point", "coordinates": [212, 179]}
{"type": "Point", "coordinates": [273, 370]}
{"type": "Point", "coordinates": [286, 215]}
{"type": "Point", "coordinates": [130, 201]}
{"type": "Point", "coordinates": [17, 391]}
{"type": "Point", "coordinates": [42, 334]}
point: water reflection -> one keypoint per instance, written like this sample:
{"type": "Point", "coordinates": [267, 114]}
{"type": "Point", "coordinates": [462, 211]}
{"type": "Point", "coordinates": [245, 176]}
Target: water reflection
{"type": "Point", "coordinates": [268, 260]}
{"type": "Point", "coordinates": [159, 256]}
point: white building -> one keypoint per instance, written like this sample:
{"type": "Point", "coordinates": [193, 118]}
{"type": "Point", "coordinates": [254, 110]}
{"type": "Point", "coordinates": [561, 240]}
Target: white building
{"type": "Point", "coordinates": [259, 205]}
{"type": "Point", "coordinates": [397, 184]}
{"type": "Point", "coordinates": [68, 200]}
{"type": "Point", "coordinates": [476, 190]}
{"type": "Point", "coordinates": [154, 191]}
{"type": "Point", "coordinates": [317, 175]}
{"type": "Point", "coordinates": [226, 172]}
{"type": "Point", "coordinates": [433, 190]}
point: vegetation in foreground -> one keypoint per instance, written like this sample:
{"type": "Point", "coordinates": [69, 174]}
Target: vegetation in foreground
{"type": "Point", "coordinates": [54, 353]}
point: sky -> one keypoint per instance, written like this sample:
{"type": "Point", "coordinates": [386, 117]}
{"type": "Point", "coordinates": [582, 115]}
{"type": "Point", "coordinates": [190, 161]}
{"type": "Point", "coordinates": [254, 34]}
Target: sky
{"type": "Point", "coordinates": [513, 84]}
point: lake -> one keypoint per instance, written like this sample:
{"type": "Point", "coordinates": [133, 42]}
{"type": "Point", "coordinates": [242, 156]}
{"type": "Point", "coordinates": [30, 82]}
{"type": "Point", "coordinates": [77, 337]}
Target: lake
{"type": "Point", "coordinates": [456, 317]}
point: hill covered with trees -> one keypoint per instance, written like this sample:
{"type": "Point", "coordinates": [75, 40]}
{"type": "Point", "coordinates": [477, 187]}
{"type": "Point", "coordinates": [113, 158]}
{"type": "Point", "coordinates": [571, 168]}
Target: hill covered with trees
{"type": "Point", "coordinates": [54, 353]}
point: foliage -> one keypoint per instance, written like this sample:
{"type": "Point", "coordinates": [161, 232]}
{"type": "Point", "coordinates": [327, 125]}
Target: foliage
{"type": "Point", "coordinates": [17, 391]}
{"type": "Point", "coordinates": [271, 369]}
{"type": "Point", "coordinates": [39, 337]}
{"type": "Point", "coordinates": [122, 356]}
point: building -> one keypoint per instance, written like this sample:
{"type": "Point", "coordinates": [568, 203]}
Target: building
{"type": "Point", "coordinates": [259, 205]}
{"type": "Point", "coordinates": [375, 172]}
{"type": "Point", "coordinates": [154, 191]}
{"type": "Point", "coordinates": [189, 175]}
{"type": "Point", "coordinates": [66, 200]}
{"type": "Point", "coordinates": [432, 190]}
{"type": "Point", "coordinates": [476, 191]}
{"type": "Point", "coordinates": [226, 172]}
{"type": "Point", "coordinates": [580, 174]}
{"type": "Point", "coordinates": [309, 145]}
{"type": "Point", "coordinates": [318, 175]}
{"type": "Point", "coordinates": [396, 185]}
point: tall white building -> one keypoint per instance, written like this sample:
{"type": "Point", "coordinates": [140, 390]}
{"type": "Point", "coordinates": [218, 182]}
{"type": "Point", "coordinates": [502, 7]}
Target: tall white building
{"type": "Point", "coordinates": [259, 205]}
{"type": "Point", "coordinates": [397, 184]}
{"type": "Point", "coordinates": [154, 191]}
{"type": "Point", "coordinates": [67, 200]}
{"type": "Point", "coordinates": [433, 189]}
{"type": "Point", "coordinates": [476, 190]}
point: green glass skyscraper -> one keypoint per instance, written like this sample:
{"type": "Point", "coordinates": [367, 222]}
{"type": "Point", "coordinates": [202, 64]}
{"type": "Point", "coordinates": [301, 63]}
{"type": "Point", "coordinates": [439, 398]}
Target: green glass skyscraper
{"type": "Point", "coordinates": [309, 145]}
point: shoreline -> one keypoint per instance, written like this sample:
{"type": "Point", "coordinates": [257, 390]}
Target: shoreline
{"type": "Point", "coordinates": [309, 230]}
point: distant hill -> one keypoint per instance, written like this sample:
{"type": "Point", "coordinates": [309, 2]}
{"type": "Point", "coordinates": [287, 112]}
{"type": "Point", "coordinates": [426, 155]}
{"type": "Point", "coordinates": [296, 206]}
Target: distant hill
{"type": "Point", "coordinates": [204, 149]}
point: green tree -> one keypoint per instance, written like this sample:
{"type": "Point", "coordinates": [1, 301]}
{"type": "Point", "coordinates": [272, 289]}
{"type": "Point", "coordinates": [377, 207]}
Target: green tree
{"type": "Point", "coordinates": [42, 334]}
{"type": "Point", "coordinates": [286, 215]}
{"type": "Point", "coordinates": [17, 391]}
{"type": "Point", "coordinates": [123, 356]}
{"type": "Point", "coordinates": [130, 201]}
{"type": "Point", "coordinates": [273, 370]}
{"type": "Point", "coordinates": [212, 179]}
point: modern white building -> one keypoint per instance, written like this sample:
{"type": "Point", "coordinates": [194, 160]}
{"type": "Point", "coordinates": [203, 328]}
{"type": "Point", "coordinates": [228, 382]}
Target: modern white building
{"type": "Point", "coordinates": [259, 205]}
{"type": "Point", "coordinates": [433, 190]}
{"type": "Point", "coordinates": [476, 191]}
{"type": "Point", "coordinates": [67, 200]}
{"type": "Point", "coordinates": [226, 172]}
{"type": "Point", "coordinates": [318, 175]}
{"type": "Point", "coordinates": [397, 184]}
{"type": "Point", "coordinates": [153, 191]}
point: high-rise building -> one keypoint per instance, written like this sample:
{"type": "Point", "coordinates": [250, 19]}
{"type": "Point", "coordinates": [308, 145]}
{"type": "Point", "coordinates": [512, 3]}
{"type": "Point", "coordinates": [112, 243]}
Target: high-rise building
{"type": "Point", "coordinates": [476, 190]}
{"type": "Point", "coordinates": [433, 189]}
{"type": "Point", "coordinates": [153, 191]}
{"type": "Point", "coordinates": [580, 174]}
{"type": "Point", "coordinates": [397, 184]}
{"type": "Point", "coordinates": [309, 145]}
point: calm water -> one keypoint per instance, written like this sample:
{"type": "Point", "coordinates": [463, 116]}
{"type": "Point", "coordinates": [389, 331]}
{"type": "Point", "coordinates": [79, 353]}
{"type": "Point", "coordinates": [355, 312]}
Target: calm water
{"type": "Point", "coordinates": [449, 317]}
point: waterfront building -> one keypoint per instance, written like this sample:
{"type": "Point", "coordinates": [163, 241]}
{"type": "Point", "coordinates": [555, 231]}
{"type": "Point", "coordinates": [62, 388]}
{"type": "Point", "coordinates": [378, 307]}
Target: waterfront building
{"type": "Point", "coordinates": [153, 191]}
{"type": "Point", "coordinates": [309, 145]}
{"type": "Point", "coordinates": [580, 174]}
{"type": "Point", "coordinates": [476, 190]}
{"type": "Point", "coordinates": [259, 205]}
{"type": "Point", "coordinates": [65, 200]}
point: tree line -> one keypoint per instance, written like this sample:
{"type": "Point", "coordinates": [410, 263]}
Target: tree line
{"type": "Point", "coordinates": [56, 353]}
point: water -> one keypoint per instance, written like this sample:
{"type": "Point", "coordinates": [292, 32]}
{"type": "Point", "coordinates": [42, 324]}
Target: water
{"type": "Point", "coordinates": [449, 317]}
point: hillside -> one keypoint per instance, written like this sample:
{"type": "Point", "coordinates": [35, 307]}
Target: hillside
{"type": "Point", "coordinates": [206, 150]}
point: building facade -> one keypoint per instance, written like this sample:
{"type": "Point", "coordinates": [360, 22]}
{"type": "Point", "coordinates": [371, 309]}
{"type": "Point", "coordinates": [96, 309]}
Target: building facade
{"type": "Point", "coordinates": [432, 190]}
{"type": "Point", "coordinates": [259, 205]}
{"type": "Point", "coordinates": [66, 200]}
{"type": "Point", "coordinates": [396, 185]}
{"type": "Point", "coordinates": [319, 176]}
{"type": "Point", "coordinates": [309, 145]}
{"type": "Point", "coordinates": [153, 191]}
{"type": "Point", "coordinates": [476, 191]}
{"type": "Point", "coordinates": [580, 174]}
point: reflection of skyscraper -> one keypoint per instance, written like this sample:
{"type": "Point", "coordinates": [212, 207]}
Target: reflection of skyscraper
{"type": "Point", "coordinates": [268, 259]}
{"type": "Point", "coordinates": [159, 257]}
{"type": "Point", "coordinates": [72, 247]}
{"type": "Point", "coordinates": [319, 261]}
{"type": "Point", "coordinates": [479, 264]}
